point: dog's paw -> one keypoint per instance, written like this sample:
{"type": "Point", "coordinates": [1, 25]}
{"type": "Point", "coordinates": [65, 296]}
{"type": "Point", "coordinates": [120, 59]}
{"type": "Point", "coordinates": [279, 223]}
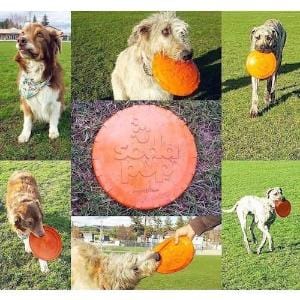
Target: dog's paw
{"type": "Point", "coordinates": [27, 248]}
{"type": "Point", "coordinates": [53, 135]}
{"type": "Point", "coordinates": [44, 266]}
{"type": "Point", "coordinates": [23, 138]}
{"type": "Point", "coordinates": [253, 112]}
{"type": "Point", "coordinates": [258, 251]}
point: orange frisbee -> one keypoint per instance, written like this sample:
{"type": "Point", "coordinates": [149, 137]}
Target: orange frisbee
{"type": "Point", "coordinates": [49, 246]}
{"type": "Point", "coordinates": [261, 65]}
{"type": "Point", "coordinates": [283, 208]}
{"type": "Point", "coordinates": [174, 257]}
{"type": "Point", "coordinates": [178, 77]}
{"type": "Point", "coordinates": [144, 156]}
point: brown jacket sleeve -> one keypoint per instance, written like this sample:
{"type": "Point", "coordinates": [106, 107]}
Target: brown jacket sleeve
{"type": "Point", "coordinates": [204, 223]}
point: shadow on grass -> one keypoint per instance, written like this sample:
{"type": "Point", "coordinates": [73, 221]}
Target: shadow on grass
{"type": "Point", "coordinates": [210, 69]}
{"type": "Point", "coordinates": [292, 246]}
{"type": "Point", "coordinates": [237, 83]}
{"type": "Point", "coordinates": [279, 101]}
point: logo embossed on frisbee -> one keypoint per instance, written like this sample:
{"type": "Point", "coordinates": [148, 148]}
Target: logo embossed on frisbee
{"type": "Point", "coordinates": [144, 156]}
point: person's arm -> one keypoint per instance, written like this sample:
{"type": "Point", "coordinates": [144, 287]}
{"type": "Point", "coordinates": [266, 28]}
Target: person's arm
{"type": "Point", "coordinates": [197, 226]}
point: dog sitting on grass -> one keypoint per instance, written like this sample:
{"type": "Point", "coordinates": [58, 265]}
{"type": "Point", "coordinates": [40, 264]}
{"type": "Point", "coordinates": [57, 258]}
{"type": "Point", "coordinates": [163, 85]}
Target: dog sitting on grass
{"type": "Point", "coordinates": [132, 77]}
{"type": "Point", "coordinates": [40, 78]}
{"type": "Point", "coordinates": [93, 269]}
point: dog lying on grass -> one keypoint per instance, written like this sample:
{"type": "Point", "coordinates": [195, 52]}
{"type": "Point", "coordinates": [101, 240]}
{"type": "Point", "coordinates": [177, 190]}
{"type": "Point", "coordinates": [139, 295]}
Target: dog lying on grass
{"type": "Point", "coordinates": [93, 269]}
{"type": "Point", "coordinates": [262, 211]}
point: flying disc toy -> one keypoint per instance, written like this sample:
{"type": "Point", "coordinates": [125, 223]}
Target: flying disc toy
{"type": "Point", "coordinates": [174, 258]}
{"type": "Point", "coordinates": [261, 65]}
{"type": "Point", "coordinates": [144, 156]}
{"type": "Point", "coordinates": [178, 77]}
{"type": "Point", "coordinates": [283, 208]}
{"type": "Point", "coordinates": [48, 247]}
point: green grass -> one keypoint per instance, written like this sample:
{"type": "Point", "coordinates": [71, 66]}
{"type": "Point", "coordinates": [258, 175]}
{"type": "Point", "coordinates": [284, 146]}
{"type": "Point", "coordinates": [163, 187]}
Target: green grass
{"type": "Point", "coordinates": [202, 274]}
{"type": "Point", "coordinates": [98, 38]}
{"type": "Point", "coordinates": [276, 270]}
{"type": "Point", "coordinates": [11, 118]}
{"type": "Point", "coordinates": [20, 270]}
{"type": "Point", "coordinates": [276, 133]}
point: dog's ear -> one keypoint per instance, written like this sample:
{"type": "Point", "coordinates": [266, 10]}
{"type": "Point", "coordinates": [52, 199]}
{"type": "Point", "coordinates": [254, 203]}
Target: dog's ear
{"type": "Point", "coordinates": [252, 33]}
{"type": "Point", "coordinates": [268, 193]}
{"type": "Point", "coordinates": [56, 41]}
{"type": "Point", "coordinates": [274, 34]}
{"type": "Point", "coordinates": [140, 31]}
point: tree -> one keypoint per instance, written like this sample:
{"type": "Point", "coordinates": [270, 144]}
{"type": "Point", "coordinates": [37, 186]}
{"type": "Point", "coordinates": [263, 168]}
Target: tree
{"type": "Point", "coordinates": [34, 20]}
{"type": "Point", "coordinates": [180, 222]}
{"type": "Point", "coordinates": [168, 224]}
{"type": "Point", "coordinates": [138, 225]}
{"type": "Point", "coordinates": [157, 225]}
{"type": "Point", "coordinates": [45, 20]}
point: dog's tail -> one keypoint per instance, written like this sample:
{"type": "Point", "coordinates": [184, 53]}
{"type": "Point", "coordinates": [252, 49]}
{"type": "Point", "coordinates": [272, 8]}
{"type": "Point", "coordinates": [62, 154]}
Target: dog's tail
{"type": "Point", "coordinates": [231, 209]}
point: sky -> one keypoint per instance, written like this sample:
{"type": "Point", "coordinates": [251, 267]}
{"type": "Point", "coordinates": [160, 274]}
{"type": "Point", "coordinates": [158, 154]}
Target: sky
{"type": "Point", "coordinates": [107, 221]}
{"type": "Point", "coordinates": [60, 19]}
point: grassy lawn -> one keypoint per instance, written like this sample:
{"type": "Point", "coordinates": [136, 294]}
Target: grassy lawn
{"type": "Point", "coordinates": [11, 118]}
{"type": "Point", "coordinates": [20, 270]}
{"type": "Point", "coordinates": [98, 37]}
{"type": "Point", "coordinates": [201, 197]}
{"type": "Point", "coordinates": [202, 274]}
{"type": "Point", "coordinates": [276, 133]}
{"type": "Point", "coordinates": [276, 270]}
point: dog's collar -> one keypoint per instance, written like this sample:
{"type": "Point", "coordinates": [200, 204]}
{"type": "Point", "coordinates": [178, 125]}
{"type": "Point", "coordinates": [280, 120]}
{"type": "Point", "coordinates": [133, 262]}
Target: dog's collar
{"type": "Point", "coordinates": [147, 70]}
{"type": "Point", "coordinates": [30, 88]}
{"type": "Point", "coordinates": [147, 65]}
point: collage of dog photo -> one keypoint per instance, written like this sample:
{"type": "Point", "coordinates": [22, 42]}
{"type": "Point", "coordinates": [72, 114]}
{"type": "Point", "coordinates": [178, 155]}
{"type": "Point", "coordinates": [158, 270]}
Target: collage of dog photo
{"type": "Point", "coordinates": [149, 150]}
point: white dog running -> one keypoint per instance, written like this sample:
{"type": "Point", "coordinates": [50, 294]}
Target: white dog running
{"type": "Point", "coordinates": [263, 212]}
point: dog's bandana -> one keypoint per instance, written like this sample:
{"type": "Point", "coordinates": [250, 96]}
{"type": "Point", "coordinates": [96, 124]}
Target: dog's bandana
{"type": "Point", "coordinates": [29, 88]}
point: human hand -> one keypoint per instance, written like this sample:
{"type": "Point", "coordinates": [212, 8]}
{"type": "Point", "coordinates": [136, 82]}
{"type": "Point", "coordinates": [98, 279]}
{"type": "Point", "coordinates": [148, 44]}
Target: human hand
{"type": "Point", "coordinates": [185, 230]}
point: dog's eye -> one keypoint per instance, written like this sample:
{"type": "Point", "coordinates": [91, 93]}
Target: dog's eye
{"type": "Point", "coordinates": [29, 223]}
{"type": "Point", "coordinates": [268, 38]}
{"type": "Point", "coordinates": [166, 31]}
{"type": "Point", "coordinates": [39, 34]}
{"type": "Point", "coordinates": [257, 37]}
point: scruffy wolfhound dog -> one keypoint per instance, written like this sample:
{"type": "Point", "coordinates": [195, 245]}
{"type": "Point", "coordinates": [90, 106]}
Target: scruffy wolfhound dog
{"type": "Point", "coordinates": [93, 269]}
{"type": "Point", "coordinates": [269, 37]}
{"type": "Point", "coordinates": [263, 215]}
{"type": "Point", "coordinates": [132, 77]}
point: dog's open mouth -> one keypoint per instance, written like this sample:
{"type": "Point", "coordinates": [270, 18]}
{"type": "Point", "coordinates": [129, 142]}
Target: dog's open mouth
{"type": "Point", "coordinates": [27, 52]}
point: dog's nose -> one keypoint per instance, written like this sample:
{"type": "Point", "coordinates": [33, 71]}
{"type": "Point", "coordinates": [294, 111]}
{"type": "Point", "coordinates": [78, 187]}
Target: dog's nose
{"type": "Point", "coordinates": [186, 54]}
{"type": "Point", "coordinates": [22, 40]}
{"type": "Point", "coordinates": [41, 233]}
{"type": "Point", "coordinates": [157, 256]}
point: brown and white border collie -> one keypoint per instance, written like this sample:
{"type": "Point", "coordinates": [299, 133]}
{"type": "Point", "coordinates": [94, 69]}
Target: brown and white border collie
{"type": "Point", "coordinates": [40, 78]}
{"type": "Point", "coordinates": [24, 209]}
